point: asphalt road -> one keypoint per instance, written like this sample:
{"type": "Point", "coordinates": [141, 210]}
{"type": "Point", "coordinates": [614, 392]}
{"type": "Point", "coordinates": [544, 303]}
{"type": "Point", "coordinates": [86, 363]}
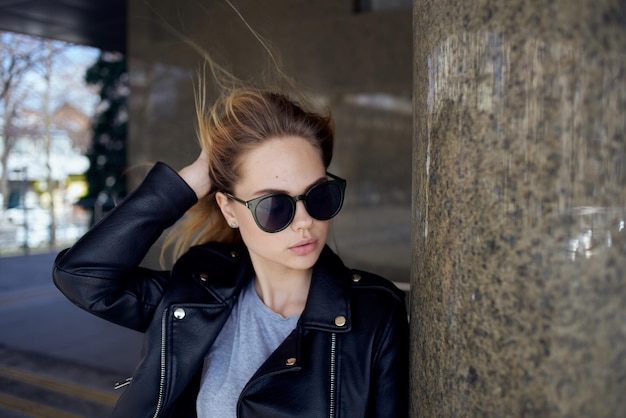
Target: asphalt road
{"type": "Point", "coordinates": [55, 359]}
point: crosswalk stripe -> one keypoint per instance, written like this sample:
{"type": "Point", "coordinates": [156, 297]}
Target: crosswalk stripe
{"type": "Point", "coordinates": [32, 409]}
{"type": "Point", "coordinates": [59, 386]}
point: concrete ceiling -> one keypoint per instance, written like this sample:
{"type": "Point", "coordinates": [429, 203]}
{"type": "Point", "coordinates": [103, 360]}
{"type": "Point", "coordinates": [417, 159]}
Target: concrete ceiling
{"type": "Point", "coordinates": [97, 23]}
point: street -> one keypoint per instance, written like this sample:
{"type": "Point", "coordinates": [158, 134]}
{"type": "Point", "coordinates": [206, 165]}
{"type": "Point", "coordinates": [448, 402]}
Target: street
{"type": "Point", "coordinates": [55, 359]}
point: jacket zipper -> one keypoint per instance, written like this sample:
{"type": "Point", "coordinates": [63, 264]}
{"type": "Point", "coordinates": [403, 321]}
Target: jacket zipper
{"type": "Point", "coordinates": [333, 372]}
{"type": "Point", "coordinates": [162, 379]}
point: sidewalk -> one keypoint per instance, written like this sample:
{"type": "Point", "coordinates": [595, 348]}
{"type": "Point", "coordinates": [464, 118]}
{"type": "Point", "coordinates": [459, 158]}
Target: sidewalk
{"type": "Point", "coordinates": [36, 318]}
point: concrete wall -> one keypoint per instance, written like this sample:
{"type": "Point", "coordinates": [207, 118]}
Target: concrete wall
{"type": "Point", "coordinates": [359, 64]}
{"type": "Point", "coordinates": [519, 268]}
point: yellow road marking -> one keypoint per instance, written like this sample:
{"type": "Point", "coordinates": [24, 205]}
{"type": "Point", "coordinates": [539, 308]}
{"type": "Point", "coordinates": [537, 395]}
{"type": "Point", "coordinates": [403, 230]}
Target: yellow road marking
{"type": "Point", "coordinates": [32, 409]}
{"type": "Point", "coordinates": [60, 386]}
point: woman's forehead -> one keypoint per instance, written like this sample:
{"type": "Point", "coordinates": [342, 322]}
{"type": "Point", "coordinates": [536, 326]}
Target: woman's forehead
{"type": "Point", "coordinates": [286, 164]}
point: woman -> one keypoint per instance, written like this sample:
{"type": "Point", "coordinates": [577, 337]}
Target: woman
{"type": "Point", "coordinates": [261, 319]}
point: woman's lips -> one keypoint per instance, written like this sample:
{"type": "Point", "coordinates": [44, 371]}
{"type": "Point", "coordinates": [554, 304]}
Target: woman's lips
{"type": "Point", "coordinates": [304, 247]}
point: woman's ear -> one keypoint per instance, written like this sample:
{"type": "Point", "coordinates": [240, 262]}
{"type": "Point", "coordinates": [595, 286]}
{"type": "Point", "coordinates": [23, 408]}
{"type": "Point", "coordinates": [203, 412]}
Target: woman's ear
{"type": "Point", "coordinates": [226, 207]}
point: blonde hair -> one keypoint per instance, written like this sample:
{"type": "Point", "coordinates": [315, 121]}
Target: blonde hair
{"type": "Point", "coordinates": [242, 117]}
{"type": "Point", "coordinates": [237, 122]}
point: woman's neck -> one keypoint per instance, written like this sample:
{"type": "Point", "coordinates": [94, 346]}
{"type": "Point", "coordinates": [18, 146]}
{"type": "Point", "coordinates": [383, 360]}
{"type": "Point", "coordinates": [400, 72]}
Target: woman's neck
{"type": "Point", "coordinates": [284, 293]}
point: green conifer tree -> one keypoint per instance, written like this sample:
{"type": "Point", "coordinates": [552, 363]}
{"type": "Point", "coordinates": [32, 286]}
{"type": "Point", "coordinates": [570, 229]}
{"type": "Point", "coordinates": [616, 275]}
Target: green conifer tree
{"type": "Point", "coordinates": [107, 155]}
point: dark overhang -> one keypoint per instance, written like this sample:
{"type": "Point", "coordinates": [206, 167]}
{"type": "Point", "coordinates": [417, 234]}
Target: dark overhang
{"type": "Point", "coordinates": [97, 23]}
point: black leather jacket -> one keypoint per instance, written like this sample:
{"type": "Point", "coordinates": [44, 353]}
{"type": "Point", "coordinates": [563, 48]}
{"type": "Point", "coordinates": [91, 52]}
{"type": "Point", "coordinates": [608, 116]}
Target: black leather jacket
{"type": "Point", "coordinates": [347, 357]}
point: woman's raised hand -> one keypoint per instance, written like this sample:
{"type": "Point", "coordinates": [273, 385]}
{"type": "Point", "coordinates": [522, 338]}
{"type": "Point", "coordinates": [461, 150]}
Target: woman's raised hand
{"type": "Point", "coordinates": [196, 175]}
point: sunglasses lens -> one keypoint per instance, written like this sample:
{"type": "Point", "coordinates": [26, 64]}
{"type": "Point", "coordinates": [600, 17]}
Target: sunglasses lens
{"type": "Point", "coordinates": [324, 200]}
{"type": "Point", "coordinates": [274, 212]}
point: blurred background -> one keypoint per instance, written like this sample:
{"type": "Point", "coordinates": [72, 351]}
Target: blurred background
{"type": "Point", "coordinates": [63, 135]}
{"type": "Point", "coordinates": [82, 121]}
{"type": "Point", "coordinates": [93, 93]}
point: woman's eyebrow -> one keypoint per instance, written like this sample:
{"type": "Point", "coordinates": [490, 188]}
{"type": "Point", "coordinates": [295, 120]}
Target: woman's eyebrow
{"type": "Point", "coordinates": [272, 191]}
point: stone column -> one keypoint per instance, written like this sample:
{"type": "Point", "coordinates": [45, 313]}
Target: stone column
{"type": "Point", "coordinates": [518, 300]}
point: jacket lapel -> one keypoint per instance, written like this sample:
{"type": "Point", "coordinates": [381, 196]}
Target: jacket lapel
{"type": "Point", "coordinates": [328, 303]}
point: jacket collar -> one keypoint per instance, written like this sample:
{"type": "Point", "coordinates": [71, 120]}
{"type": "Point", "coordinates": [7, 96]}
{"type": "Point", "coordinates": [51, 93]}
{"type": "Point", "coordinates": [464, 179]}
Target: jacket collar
{"type": "Point", "coordinates": [328, 303]}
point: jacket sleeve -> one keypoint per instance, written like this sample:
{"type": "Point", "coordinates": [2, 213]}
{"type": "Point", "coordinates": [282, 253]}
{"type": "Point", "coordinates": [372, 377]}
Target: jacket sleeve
{"type": "Point", "coordinates": [100, 272]}
{"type": "Point", "coordinates": [391, 368]}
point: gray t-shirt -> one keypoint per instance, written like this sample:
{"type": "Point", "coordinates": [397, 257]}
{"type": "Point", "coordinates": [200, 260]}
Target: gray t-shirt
{"type": "Point", "coordinates": [252, 332]}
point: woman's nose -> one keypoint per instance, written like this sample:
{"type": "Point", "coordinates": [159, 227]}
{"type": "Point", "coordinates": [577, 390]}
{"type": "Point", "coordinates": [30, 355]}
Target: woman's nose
{"type": "Point", "coordinates": [301, 219]}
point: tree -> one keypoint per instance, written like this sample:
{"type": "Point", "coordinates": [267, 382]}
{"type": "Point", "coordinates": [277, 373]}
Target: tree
{"type": "Point", "coordinates": [47, 69]}
{"type": "Point", "coordinates": [106, 176]}
{"type": "Point", "coordinates": [18, 55]}
{"type": "Point", "coordinates": [38, 79]}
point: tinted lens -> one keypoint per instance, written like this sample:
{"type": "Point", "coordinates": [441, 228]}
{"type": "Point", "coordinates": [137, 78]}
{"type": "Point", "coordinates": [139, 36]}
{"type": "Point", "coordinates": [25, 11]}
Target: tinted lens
{"type": "Point", "coordinates": [275, 212]}
{"type": "Point", "coordinates": [324, 200]}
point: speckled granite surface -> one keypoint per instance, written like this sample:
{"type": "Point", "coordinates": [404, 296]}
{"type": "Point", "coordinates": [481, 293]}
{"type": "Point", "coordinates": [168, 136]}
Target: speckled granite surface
{"type": "Point", "coordinates": [519, 258]}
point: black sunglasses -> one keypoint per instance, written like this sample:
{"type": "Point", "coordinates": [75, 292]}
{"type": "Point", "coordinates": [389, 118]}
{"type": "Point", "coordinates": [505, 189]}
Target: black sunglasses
{"type": "Point", "coordinates": [274, 212]}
